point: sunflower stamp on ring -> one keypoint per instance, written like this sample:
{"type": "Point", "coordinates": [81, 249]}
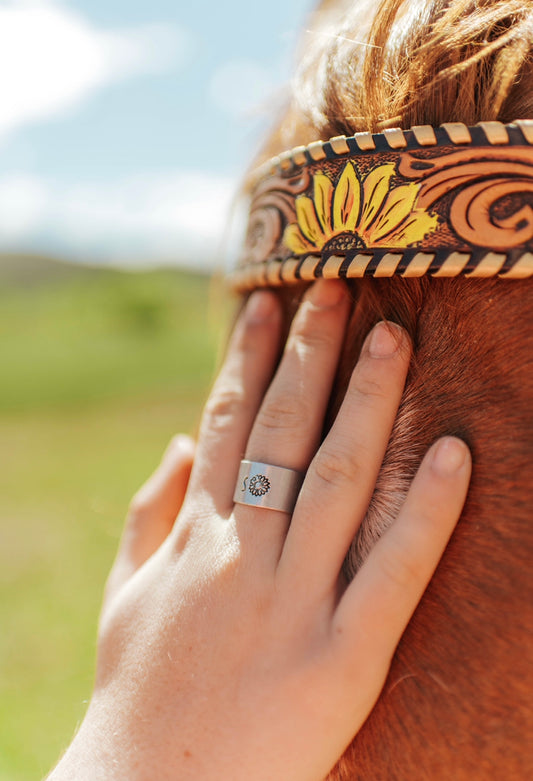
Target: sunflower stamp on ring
{"type": "Point", "coordinates": [268, 486]}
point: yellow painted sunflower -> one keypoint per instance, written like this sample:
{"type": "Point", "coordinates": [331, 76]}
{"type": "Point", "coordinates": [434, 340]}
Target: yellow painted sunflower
{"type": "Point", "coordinates": [358, 213]}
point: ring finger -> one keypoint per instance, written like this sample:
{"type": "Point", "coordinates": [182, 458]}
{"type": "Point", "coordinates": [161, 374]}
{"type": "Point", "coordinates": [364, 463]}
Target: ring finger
{"type": "Point", "coordinates": [288, 427]}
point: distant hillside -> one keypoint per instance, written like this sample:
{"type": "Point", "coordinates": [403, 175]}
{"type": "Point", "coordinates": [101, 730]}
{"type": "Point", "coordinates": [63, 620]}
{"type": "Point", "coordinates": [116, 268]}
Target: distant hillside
{"type": "Point", "coordinates": [29, 270]}
{"type": "Point", "coordinates": [73, 334]}
{"type": "Point", "coordinates": [23, 271]}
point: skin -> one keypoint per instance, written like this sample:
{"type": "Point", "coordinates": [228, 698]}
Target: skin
{"type": "Point", "coordinates": [229, 645]}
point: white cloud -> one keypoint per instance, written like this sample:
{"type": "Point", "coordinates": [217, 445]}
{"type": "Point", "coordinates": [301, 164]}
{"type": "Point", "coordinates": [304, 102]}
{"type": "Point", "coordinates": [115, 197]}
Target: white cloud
{"type": "Point", "coordinates": [242, 87]}
{"type": "Point", "coordinates": [22, 201]}
{"type": "Point", "coordinates": [179, 216]}
{"type": "Point", "coordinates": [52, 58]}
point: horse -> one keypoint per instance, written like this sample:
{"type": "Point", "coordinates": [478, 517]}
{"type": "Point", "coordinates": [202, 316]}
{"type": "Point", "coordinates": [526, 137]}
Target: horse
{"type": "Point", "coordinates": [457, 700]}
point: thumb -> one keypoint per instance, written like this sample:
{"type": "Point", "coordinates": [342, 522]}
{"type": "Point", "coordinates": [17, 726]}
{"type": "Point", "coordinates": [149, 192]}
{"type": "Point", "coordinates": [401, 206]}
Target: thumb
{"type": "Point", "coordinates": [153, 511]}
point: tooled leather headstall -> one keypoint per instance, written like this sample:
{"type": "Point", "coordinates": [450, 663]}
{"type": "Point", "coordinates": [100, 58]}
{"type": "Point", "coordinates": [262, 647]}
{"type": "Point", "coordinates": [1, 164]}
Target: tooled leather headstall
{"type": "Point", "coordinates": [447, 201]}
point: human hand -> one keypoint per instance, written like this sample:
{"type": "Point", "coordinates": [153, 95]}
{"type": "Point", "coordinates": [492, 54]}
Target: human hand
{"type": "Point", "coordinates": [237, 650]}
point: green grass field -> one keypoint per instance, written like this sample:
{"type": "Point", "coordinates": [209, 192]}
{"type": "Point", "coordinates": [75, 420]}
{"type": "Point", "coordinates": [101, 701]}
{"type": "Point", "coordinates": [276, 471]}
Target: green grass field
{"type": "Point", "coordinates": [98, 370]}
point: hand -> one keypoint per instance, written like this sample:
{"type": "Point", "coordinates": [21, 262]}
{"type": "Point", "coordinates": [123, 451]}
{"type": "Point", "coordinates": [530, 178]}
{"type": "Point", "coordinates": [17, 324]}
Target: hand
{"type": "Point", "coordinates": [236, 650]}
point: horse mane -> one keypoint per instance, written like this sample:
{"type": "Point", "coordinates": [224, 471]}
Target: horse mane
{"type": "Point", "coordinates": [456, 703]}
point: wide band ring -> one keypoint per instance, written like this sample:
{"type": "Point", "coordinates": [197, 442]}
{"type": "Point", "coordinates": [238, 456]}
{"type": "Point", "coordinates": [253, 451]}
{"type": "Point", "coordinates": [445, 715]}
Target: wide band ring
{"type": "Point", "coordinates": [269, 486]}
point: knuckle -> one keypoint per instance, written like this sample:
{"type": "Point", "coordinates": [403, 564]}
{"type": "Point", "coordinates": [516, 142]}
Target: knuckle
{"type": "Point", "coordinates": [335, 468]}
{"type": "Point", "coordinates": [178, 451]}
{"type": "Point", "coordinates": [175, 444]}
{"type": "Point", "coordinates": [140, 506]}
{"type": "Point", "coordinates": [223, 406]}
{"type": "Point", "coordinates": [180, 443]}
{"type": "Point", "coordinates": [309, 337]}
{"type": "Point", "coordinates": [282, 412]}
{"type": "Point", "coordinates": [366, 389]}
{"type": "Point", "coordinates": [399, 568]}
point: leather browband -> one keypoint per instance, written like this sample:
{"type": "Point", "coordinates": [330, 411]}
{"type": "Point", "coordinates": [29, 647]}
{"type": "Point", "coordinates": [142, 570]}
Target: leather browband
{"type": "Point", "coordinates": [445, 202]}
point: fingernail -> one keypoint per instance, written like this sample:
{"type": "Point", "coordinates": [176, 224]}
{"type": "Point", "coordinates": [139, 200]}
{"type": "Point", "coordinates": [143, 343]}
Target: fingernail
{"type": "Point", "coordinates": [326, 293]}
{"type": "Point", "coordinates": [261, 306]}
{"type": "Point", "coordinates": [449, 456]}
{"type": "Point", "coordinates": [385, 340]}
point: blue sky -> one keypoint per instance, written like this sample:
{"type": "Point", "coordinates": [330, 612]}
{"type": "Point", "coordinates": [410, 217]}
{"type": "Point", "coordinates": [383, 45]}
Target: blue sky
{"type": "Point", "coordinates": [125, 125]}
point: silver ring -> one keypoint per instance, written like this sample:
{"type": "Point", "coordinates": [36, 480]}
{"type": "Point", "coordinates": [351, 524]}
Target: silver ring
{"type": "Point", "coordinates": [265, 485]}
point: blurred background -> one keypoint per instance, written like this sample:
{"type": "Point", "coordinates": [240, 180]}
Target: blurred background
{"type": "Point", "coordinates": [125, 128]}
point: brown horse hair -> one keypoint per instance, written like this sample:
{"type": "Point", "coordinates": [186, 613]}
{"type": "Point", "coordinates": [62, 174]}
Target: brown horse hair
{"type": "Point", "coordinates": [457, 701]}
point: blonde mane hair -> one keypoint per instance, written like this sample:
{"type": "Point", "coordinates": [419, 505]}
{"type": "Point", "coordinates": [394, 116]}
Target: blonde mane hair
{"type": "Point", "coordinates": [367, 65]}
